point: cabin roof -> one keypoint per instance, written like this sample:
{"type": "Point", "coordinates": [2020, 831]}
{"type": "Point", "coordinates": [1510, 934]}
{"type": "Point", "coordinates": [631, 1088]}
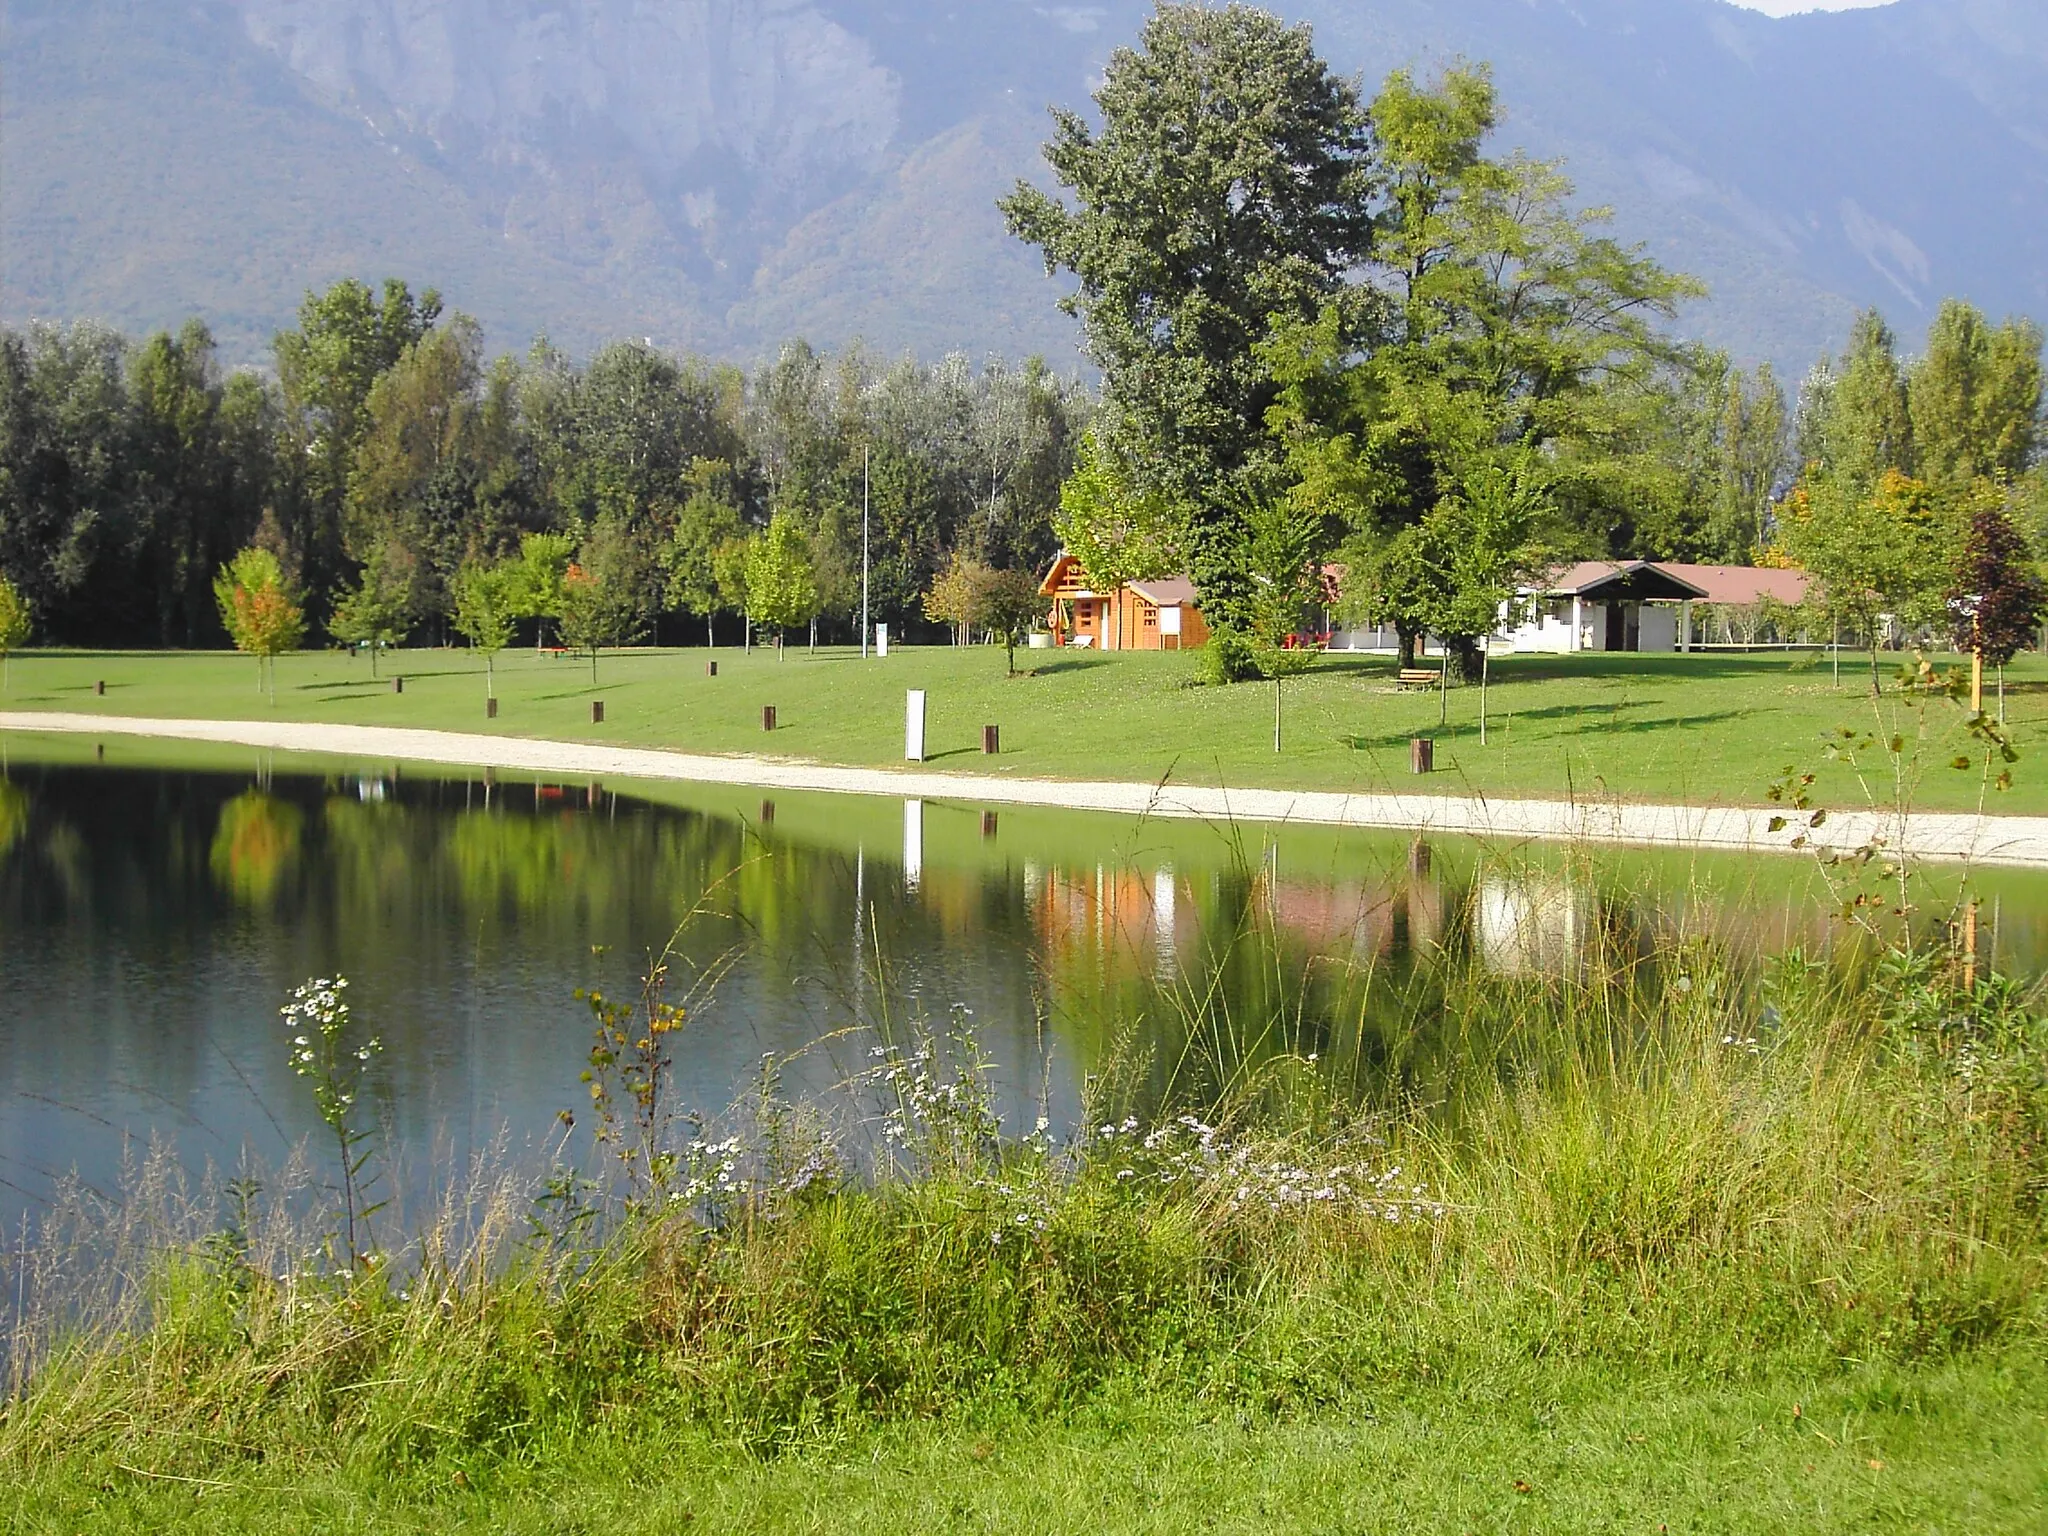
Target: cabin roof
{"type": "Point", "coordinates": [1166, 591]}
{"type": "Point", "coordinates": [1160, 591]}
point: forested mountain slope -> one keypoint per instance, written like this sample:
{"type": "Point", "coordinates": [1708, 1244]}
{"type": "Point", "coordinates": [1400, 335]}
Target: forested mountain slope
{"type": "Point", "coordinates": [719, 174]}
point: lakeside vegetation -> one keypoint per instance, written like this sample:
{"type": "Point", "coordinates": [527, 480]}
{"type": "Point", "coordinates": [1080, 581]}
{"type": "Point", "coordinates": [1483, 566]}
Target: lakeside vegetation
{"type": "Point", "coordinates": [1654, 1190]}
{"type": "Point", "coordinates": [1716, 728]}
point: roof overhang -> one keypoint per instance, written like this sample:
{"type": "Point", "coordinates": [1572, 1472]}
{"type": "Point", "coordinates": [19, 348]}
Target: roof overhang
{"type": "Point", "coordinates": [1635, 581]}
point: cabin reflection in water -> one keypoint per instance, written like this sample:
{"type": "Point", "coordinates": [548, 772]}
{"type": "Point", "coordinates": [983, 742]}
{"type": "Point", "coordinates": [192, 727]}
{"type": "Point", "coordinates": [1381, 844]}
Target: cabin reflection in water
{"type": "Point", "coordinates": [1530, 924]}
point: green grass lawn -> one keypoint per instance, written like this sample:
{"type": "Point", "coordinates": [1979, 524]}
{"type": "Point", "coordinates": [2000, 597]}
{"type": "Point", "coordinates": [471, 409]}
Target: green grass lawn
{"type": "Point", "coordinates": [1699, 728]}
{"type": "Point", "coordinates": [1961, 1446]}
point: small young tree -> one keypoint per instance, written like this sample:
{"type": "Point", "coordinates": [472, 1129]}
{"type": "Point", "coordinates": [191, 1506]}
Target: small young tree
{"type": "Point", "coordinates": [729, 579]}
{"type": "Point", "coordinates": [260, 610]}
{"type": "Point", "coordinates": [608, 594]}
{"type": "Point", "coordinates": [1996, 596]}
{"type": "Point", "coordinates": [486, 604]}
{"type": "Point", "coordinates": [780, 590]}
{"type": "Point", "coordinates": [14, 626]}
{"type": "Point", "coordinates": [1009, 604]}
{"type": "Point", "coordinates": [537, 579]}
{"type": "Point", "coordinates": [375, 612]}
{"type": "Point", "coordinates": [1869, 554]}
{"type": "Point", "coordinates": [955, 592]}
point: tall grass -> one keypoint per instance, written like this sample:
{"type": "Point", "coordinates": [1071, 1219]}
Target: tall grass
{"type": "Point", "coordinates": [1647, 1158]}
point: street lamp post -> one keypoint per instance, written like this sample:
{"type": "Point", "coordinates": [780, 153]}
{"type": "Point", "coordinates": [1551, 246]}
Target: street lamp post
{"type": "Point", "coordinates": [864, 628]}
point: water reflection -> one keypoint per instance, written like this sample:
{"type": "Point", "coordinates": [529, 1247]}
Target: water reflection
{"type": "Point", "coordinates": [152, 921]}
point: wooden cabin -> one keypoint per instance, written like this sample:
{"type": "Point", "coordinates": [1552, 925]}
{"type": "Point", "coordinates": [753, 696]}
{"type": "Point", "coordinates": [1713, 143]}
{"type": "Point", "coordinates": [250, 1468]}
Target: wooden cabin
{"type": "Point", "coordinates": [1148, 615]}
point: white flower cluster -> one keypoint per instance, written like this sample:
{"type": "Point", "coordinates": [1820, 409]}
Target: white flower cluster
{"type": "Point", "coordinates": [318, 1009]}
{"type": "Point", "coordinates": [1191, 1154]}
{"type": "Point", "coordinates": [931, 1112]}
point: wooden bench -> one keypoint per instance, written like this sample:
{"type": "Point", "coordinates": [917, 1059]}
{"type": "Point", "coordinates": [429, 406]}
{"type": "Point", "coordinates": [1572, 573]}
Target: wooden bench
{"type": "Point", "coordinates": [1418, 677]}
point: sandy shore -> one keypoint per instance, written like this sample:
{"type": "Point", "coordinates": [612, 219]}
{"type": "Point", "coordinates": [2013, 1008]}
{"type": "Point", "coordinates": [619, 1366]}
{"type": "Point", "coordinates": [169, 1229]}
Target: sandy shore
{"type": "Point", "coordinates": [2009, 840]}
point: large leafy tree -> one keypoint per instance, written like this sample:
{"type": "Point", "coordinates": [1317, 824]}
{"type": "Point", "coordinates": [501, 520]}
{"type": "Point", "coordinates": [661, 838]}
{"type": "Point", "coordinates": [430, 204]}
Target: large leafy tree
{"type": "Point", "coordinates": [346, 339]}
{"type": "Point", "coordinates": [1510, 326]}
{"type": "Point", "coordinates": [1974, 398]}
{"type": "Point", "coordinates": [1225, 192]}
{"type": "Point", "coordinates": [412, 502]}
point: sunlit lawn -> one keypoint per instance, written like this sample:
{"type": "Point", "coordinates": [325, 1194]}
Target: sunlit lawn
{"type": "Point", "coordinates": [1698, 728]}
{"type": "Point", "coordinates": [1957, 1447]}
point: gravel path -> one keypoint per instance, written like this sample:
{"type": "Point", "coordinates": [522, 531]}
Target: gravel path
{"type": "Point", "coordinates": [2011, 840]}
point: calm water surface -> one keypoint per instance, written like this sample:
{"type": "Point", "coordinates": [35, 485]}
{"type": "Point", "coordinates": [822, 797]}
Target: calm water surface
{"type": "Point", "coordinates": [156, 906]}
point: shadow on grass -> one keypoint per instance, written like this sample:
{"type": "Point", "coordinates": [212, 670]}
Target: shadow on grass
{"type": "Point", "coordinates": [1081, 663]}
{"type": "Point", "coordinates": [1467, 727]}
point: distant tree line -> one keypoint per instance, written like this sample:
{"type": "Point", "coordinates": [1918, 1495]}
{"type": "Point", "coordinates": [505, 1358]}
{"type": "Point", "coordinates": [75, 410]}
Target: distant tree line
{"type": "Point", "coordinates": [399, 480]}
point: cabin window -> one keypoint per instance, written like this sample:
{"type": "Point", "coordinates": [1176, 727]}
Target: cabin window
{"type": "Point", "coordinates": [1151, 618]}
{"type": "Point", "coordinates": [1084, 613]}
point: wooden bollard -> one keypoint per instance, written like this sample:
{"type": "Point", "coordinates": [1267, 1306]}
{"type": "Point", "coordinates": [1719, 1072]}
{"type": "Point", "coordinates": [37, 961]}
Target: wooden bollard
{"type": "Point", "coordinates": [100, 687]}
{"type": "Point", "coordinates": [1421, 754]}
{"type": "Point", "coordinates": [1418, 858]}
{"type": "Point", "coordinates": [988, 823]}
{"type": "Point", "coordinates": [767, 717]}
{"type": "Point", "coordinates": [594, 796]}
{"type": "Point", "coordinates": [767, 810]}
{"type": "Point", "coordinates": [490, 709]}
{"type": "Point", "coordinates": [597, 711]}
{"type": "Point", "coordinates": [991, 740]}
{"type": "Point", "coordinates": [398, 685]}
{"type": "Point", "coordinates": [711, 669]}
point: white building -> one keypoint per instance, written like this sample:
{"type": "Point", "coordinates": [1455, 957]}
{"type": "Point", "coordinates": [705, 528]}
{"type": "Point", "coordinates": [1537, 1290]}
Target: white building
{"type": "Point", "coordinates": [1638, 605]}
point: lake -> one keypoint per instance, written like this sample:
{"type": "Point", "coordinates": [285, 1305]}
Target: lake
{"type": "Point", "coordinates": [158, 901]}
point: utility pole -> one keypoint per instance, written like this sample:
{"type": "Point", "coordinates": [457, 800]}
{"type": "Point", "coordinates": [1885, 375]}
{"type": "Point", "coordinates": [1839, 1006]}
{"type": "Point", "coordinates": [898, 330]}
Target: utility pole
{"type": "Point", "coordinates": [864, 628]}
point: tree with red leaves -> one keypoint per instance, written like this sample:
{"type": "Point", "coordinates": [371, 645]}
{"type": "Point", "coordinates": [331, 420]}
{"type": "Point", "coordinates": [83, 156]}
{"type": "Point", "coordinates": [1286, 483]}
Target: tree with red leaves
{"type": "Point", "coordinates": [1997, 596]}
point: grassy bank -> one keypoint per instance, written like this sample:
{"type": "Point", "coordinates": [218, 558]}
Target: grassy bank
{"type": "Point", "coordinates": [1671, 1245]}
{"type": "Point", "coordinates": [1699, 728]}
{"type": "Point", "coordinates": [1961, 1445]}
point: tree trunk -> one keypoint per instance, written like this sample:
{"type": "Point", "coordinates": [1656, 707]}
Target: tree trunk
{"type": "Point", "coordinates": [710, 633]}
{"type": "Point", "coordinates": [1406, 641]}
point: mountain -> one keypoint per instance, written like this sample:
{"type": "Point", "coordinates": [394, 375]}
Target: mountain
{"type": "Point", "coordinates": [720, 174]}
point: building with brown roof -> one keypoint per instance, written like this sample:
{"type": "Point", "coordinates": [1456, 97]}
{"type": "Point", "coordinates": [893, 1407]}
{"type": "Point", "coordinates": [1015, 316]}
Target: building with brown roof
{"type": "Point", "coordinates": [1641, 605]}
{"type": "Point", "coordinates": [1155, 614]}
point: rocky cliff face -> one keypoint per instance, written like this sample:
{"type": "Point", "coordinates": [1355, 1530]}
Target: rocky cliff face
{"type": "Point", "coordinates": [689, 128]}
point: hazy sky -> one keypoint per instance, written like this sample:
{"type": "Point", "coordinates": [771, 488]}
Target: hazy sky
{"type": "Point", "coordinates": [1787, 7]}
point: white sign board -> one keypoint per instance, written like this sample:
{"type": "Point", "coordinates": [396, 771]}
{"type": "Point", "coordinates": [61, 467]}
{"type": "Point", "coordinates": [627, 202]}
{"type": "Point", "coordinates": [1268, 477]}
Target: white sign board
{"type": "Point", "coordinates": [913, 726]}
{"type": "Point", "coordinates": [881, 639]}
{"type": "Point", "coordinates": [1169, 619]}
